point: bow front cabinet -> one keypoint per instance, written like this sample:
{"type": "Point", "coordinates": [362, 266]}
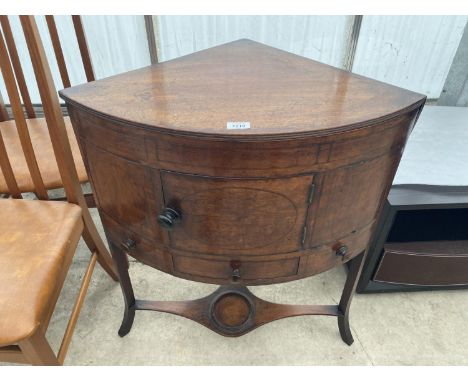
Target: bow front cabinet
{"type": "Point", "coordinates": [240, 165]}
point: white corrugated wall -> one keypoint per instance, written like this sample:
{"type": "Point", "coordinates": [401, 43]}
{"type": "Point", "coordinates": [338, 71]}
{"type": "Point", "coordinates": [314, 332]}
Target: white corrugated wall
{"type": "Point", "coordinates": [318, 37]}
{"type": "Point", "coordinates": [414, 52]}
{"type": "Point", "coordinates": [117, 44]}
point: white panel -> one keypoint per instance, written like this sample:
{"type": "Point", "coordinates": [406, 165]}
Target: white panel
{"type": "Point", "coordinates": [436, 151]}
{"type": "Point", "coordinates": [25, 59]}
{"type": "Point", "coordinates": [414, 52]}
{"type": "Point", "coordinates": [463, 99]}
{"type": "Point", "coordinates": [322, 38]}
{"type": "Point", "coordinates": [117, 44]}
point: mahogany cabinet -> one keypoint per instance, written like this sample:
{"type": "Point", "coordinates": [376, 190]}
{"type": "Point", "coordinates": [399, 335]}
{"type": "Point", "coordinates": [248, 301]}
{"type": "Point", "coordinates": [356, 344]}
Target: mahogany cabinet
{"type": "Point", "coordinates": [240, 165]}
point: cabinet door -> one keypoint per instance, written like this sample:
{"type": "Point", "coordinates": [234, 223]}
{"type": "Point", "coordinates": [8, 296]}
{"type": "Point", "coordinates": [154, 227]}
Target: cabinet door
{"type": "Point", "coordinates": [124, 191]}
{"type": "Point", "coordinates": [228, 216]}
{"type": "Point", "coordinates": [349, 198]}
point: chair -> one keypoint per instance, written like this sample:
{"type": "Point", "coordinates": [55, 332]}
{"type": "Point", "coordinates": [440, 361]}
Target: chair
{"type": "Point", "coordinates": [43, 175]}
{"type": "Point", "coordinates": [38, 238]}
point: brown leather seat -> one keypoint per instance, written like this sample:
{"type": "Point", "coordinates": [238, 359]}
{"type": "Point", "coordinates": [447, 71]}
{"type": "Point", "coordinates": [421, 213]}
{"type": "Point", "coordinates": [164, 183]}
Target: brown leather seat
{"type": "Point", "coordinates": [37, 242]}
{"type": "Point", "coordinates": [44, 153]}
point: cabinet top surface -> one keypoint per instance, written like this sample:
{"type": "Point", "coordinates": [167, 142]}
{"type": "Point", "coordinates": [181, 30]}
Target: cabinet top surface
{"type": "Point", "coordinates": [278, 93]}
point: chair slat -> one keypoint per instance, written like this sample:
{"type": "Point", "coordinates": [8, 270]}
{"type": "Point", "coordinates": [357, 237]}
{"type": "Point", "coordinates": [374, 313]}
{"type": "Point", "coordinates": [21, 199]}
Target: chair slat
{"type": "Point", "coordinates": [52, 111]}
{"type": "Point", "coordinates": [60, 142]}
{"type": "Point", "coordinates": [20, 121]}
{"type": "Point", "coordinates": [17, 66]}
{"type": "Point", "coordinates": [3, 111]}
{"type": "Point", "coordinates": [58, 51]}
{"type": "Point", "coordinates": [83, 45]}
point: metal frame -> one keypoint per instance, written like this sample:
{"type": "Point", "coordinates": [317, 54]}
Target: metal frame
{"type": "Point", "coordinates": [456, 84]}
{"type": "Point", "coordinates": [150, 25]}
{"type": "Point", "coordinates": [352, 41]}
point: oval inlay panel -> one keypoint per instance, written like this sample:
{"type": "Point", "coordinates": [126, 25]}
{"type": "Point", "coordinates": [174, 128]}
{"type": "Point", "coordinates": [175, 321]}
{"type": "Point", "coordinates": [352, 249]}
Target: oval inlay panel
{"type": "Point", "coordinates": [237, 218]}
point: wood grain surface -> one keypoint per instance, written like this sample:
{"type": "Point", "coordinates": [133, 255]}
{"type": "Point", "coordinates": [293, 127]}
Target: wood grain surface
{"type": "Point", "coordinates": [277, 92]}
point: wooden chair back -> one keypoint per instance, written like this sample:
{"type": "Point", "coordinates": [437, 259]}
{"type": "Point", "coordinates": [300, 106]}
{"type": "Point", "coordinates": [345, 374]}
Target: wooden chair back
{"type": "Point", "coordinates": [18, 93]}
{"type": "Point", "coordinates": [82, 45]}
{"type": "Point", "coordinates": [57, 133]}
{"type": "Point", "coordinates": [3, 111]}
{"type": "Point", "coordinates": [57, 46]}
{"type": "Point", "coordinates": [65, 162]}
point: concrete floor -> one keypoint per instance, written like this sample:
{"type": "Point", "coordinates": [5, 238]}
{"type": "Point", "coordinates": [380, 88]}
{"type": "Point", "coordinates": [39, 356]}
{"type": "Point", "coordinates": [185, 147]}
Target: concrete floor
{"type": "Point", "coordinates": [424, 328]}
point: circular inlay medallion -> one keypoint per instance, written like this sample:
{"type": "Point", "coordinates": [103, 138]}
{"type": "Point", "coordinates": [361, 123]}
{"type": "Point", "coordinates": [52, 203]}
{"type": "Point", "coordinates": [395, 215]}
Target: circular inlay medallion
{"type": "Point", "coordinates": [231, 310]}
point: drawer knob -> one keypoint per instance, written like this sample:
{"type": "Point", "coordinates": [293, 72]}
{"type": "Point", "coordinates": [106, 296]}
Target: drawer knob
{"type": "Point", "coordinates": [341, 251]}
{"type": "Point", "coordinates": [235, 266]}
{"type": "Point", "coordinates": [128, 244]}
{"type": "Point", "coordinates": [168, 217]}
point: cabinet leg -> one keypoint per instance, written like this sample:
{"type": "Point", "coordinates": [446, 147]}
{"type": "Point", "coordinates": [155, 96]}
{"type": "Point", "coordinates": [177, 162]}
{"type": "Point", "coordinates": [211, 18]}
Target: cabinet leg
{"type": "Point", "coordinates": [345, 331]}
{"type": "Point", "coordinates": [213, 309]}
{"type": "Point", "coordinates": [121, 260]}
{"type": "Point", "coordinates": [355, 268]}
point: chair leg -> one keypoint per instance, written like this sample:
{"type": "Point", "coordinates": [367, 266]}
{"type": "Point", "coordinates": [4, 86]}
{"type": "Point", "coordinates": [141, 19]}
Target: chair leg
{"type": "Point", "coordinates": [121, 260]}
{"type": "Point", "coordinates": [95, 244]}
{"type": "Point", "coordinates": [347, 295]}
{"type": "Point", "coordinates": [76, 309]}
{"type": "Point", "coordinates": [37, 350]}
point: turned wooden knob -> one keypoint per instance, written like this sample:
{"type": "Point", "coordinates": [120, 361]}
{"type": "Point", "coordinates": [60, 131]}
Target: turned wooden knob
{"type": "Point", "coordinates": [128, 244]}
{"type": "Point", "coordinates": [235, 266]}
{"type": "Point", "coordinates": [342, 250]}
{"type": "Point", "coordinates": [168, 218]}
{"type": "Point", "coordinates": [236, 274]}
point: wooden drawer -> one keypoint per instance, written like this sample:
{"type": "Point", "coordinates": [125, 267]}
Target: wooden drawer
{"type": "Point", "coordinates": [324, 257]}
{"type": "Point", "coordinates": [221, 271]}
{"type": "Point", "coordinates": [435, 263]}
{"type": "Point", "coordinates": [145, 250]}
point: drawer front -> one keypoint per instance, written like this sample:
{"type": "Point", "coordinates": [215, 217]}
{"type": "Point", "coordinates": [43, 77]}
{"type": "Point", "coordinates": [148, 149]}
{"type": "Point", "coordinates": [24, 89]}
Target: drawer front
{"type": "Point", "coordinates": [144, 250]}
{"type": "Point", "coordinates": [425, 269]}
{"type": "Point", "coordinates": [225, 216]}
{"type": "Point", "coordinates": [247, 272]}
{"type": "Point", "coordinates": [324, 257]}
{"type": "Point", "coordinates": [252, 270]}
